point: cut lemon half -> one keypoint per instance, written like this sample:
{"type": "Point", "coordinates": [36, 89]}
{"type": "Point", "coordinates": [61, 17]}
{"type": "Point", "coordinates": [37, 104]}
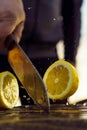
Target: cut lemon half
{"type": "Point", "coordinates": [61, 79]}
{"type": "Point", "coordinates": [9, 90]}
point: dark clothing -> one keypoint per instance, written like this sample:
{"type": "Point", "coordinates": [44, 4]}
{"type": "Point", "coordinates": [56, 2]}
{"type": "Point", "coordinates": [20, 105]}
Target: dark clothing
{"type": "Point", "coordinates": [4, 65]}
{"type": "Point", "coordinates": [71, 27]}
{"type": "Point", "coordinates": [43, 20]}
{"type": "Point", "coordinates": [47, 22]}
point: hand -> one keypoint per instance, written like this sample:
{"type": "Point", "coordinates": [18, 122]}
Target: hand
{"type": "Point", "coordinates": [12, 17]}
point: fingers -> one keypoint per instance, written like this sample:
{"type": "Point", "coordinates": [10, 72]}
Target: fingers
{"type": "Point", "coordinates": [17, 33]}
{"type": "Point", "coordinates": [12, 18]}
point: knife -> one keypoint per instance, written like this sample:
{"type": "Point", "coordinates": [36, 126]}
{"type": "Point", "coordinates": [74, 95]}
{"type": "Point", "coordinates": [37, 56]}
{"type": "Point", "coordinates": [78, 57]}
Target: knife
{"type": "Point", "coordinates": [27, 74]}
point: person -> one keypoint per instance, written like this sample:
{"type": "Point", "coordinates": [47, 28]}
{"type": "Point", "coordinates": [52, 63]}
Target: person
{"type": "Point", "coordinates": [42, 28]}
{"type": "Point", "coordinates": [12, 18]}
{"type": "Point", "coordinates": [71, 12]}
{"type": "Point", "coordinates": [48, 22]}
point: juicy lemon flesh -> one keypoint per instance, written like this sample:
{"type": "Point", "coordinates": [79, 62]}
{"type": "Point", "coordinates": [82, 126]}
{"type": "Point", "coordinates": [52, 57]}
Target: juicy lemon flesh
{"type": "Point", "coordinates": [61, 80]}
{"type": "Point", "coordinates": [9, 90]}
{"type": "Point", "coordinates": [59, 84]}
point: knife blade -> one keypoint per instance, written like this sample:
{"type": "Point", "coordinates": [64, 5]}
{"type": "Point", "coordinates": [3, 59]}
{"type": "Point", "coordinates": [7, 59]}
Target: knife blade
{"type": "Point", "coordinates": [27, 74]}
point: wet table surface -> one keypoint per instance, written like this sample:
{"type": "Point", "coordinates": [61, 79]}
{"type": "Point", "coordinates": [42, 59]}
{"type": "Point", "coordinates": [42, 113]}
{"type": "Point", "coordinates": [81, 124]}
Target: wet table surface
{"type": "Point", "coordinates": [60, 117]}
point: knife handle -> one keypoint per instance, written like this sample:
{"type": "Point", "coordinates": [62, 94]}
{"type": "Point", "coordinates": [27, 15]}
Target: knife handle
{"type": "Point", "coordinates": [10, 42]}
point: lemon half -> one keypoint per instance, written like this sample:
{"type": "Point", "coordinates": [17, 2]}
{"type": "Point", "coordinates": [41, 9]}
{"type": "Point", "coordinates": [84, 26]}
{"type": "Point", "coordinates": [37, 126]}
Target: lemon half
{"type": "Point", "coordinates": [61, 79]}
{"type": "Point", "coordinates": [9, 90]}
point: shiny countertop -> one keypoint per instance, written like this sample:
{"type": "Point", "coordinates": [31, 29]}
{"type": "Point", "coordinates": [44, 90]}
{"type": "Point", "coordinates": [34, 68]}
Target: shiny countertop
{"type": "Point", "coordinates": [60, 117]}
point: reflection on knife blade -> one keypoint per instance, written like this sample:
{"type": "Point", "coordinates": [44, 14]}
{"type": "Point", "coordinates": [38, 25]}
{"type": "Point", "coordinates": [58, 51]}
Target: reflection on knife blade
{"type": "Point", "coordinates": [27, 74]}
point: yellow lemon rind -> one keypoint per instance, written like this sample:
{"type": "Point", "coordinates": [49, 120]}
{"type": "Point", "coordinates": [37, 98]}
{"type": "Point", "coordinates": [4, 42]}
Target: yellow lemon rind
{"type": "Point", "coordinates": [74, 80]}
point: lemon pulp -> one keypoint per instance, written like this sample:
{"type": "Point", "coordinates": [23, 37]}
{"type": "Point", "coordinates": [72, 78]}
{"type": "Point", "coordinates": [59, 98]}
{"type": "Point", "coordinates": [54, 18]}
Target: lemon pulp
{"type": "Point", "coordinates": [9, 90]}
{"type": "Point", "coordinates": [61, 79]}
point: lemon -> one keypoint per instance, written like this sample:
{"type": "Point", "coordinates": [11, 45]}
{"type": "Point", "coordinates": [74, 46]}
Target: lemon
{"type": "Point", "coordinates": [9, 90]}
{"type": "Point", "coordinates": [61, 79]}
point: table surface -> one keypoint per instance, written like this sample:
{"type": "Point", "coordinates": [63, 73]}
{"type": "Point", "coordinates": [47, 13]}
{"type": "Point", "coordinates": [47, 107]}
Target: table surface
{"type": "Point", "coordinates": [60, 117]}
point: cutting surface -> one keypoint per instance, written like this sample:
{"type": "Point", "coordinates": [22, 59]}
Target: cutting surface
{"type": "Point", "coordinates": [60, 117]}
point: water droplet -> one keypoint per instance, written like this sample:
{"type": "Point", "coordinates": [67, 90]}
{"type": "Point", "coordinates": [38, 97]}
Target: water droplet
{"type": "Point", "coordinates": [29, 8]}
